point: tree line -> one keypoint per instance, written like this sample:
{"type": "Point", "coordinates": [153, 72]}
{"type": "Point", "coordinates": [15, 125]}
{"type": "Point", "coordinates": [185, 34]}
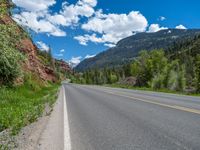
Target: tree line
{"type": "Point", "coordinates": [176, 69]}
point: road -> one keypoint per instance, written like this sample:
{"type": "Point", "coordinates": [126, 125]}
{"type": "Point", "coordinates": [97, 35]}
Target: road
{"type": "Point", "coordinates": [102, 118]}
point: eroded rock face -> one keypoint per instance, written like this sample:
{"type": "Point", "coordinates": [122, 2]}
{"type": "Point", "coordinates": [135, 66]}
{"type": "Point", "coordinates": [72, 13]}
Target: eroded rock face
{"type": "Point", "coordinates": [33, 64]}
{"type": "Point", "coordinates": [64, 66]}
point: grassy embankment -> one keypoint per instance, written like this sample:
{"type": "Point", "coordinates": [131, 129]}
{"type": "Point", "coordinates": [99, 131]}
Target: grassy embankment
{"type": "Point", "coordinates": [22, 105]}
{"type": "Point", "coordinates": [19, 105]}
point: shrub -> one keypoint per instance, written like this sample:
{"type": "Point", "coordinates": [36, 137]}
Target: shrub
{"type": "Point", "coordinates": [157, 82]}
{"type": "Point", "coordinates": [181, 80]}
{"type": "Point", "coordinates": [9, 64]}
{"type": "Point", "coordinates": [172, 84]}
{"type": "Point", "coordinates": [10, 57]}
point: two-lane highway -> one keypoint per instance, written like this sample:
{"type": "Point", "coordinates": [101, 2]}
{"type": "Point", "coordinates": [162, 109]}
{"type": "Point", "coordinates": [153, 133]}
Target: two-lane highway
{"type": "Point", "coordinates": [103, 118]}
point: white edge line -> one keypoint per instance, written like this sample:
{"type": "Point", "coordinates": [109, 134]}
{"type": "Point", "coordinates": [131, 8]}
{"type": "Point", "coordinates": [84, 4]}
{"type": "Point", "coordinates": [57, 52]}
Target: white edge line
{"type": "Point", "coordinates": [67, 139]}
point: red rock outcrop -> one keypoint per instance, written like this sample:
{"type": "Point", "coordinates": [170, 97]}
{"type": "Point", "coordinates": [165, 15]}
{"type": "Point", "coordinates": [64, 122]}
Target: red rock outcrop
{"type": "Point", "coordinates": [64, 66]}
{"type": "Point", "coordinates": [33, 64]}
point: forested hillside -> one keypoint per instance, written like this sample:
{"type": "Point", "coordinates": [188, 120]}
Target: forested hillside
{"type": "Point", "coordinates": [175, 69]}
{"type": "Point", "coordinates": [128, 48]}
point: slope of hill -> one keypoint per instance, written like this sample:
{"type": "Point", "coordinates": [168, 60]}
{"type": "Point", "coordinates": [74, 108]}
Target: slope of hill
{"type": "Point", "coordinates": [38, 63]}
{"type": "Point", "coordinates": [29, 78]}
{"type": "Point", "coordinates": [128, 48]}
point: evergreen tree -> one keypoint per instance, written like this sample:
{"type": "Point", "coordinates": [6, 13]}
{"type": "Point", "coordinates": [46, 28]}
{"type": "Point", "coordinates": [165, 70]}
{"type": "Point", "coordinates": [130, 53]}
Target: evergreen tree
{"type": "Point", "coordinates": [197, 73]}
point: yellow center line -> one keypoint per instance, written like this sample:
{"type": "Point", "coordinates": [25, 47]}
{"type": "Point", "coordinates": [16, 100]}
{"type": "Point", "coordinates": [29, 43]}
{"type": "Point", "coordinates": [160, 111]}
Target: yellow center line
{"type": "Point", "coordinates": [196, 111]}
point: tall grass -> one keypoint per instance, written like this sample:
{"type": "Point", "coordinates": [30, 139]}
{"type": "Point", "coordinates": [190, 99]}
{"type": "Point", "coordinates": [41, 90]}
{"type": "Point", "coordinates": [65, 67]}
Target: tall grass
{"type": "Point", "coordinates": [22, 105]}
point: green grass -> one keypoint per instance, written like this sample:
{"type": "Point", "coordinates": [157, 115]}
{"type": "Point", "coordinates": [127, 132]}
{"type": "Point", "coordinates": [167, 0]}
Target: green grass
{"type": "Point", "coordinates": [150, 89]}
{"type": "Point", "coordinates": [20, 106]}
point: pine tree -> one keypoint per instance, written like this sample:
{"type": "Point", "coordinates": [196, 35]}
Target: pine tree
{"type": "Point", "coordinates": [197, 73]}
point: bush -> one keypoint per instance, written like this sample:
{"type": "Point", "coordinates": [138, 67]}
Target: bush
{"type": "Point", "coordinates": [10, 57]}
{"type": "Point", "coordinates": [9, 64]}
{"type": "Point", "coordinates": [176, 78]}
{"type": "Point", "coordinates": [172, 84]}
{"type": "Point", "coordinates": [157, 82]}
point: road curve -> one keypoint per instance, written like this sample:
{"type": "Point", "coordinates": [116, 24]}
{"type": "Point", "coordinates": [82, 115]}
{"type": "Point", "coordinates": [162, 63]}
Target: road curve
{"type": "Point", "coordinates": [102, 118]}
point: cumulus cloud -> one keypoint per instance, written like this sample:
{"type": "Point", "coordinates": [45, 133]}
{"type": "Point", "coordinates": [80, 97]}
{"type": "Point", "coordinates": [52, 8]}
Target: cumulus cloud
{"type": "Point", "coordinates": [85, 38]}
{"type": "Point", "coordinates": [156, 28]}
{"type": "Point", "coordinates": [32, 20]}
{"type": "Point", "coordinates": [72, 13]}
{"type": "Point", "coordinates": [181, 27]}
{"type": "Point", "coordinates": [89, 56]}
{"type": "Point", "coordinates": [57, 19]}
{"type": "Point", "coordinates": [42, 46]}
{"type": "Point", "coordinates": [112, 27]}
{"type": "Point", "coordinates": [74, 61]}
{"type": "Point", "coordinates": [34, 5]}
{"type": "Point", "coordinates": [37, 17]}
{"type": "Point", "coordinates": [91, 3]}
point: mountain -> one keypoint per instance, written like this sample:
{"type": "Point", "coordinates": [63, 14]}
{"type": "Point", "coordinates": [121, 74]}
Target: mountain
{"type": "Point", "coordinates": [128, 48]}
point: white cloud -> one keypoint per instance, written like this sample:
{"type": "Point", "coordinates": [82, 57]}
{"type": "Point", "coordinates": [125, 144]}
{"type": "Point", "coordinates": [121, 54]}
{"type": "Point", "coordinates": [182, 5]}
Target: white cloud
{"type": "Point", "coordinates": [82, 39]}
{"type": "Point", "coordinates": [60, 54]}
{"type": "Point", "coordinates": [92, 3]}
{"type": "Point", "coordinates": [37, 22]}
{"type": "Point", "coordinates": [134, 21]}
{"type": "Point", "coordinates": [34, 5]}
{"type": "Point", "coordinates": [181, 27]}
{"type": "Point", "coordinates": [112, 27]}
{"type": "Point", "coordinates": [62, 51]}
{"type": "Point", "coordinates": [37, 17]}
{"type": "Point", "coordinates": [162, 18]}
{"type": "Point", "coordinates": [156, 28]}
{"type": "Point", "coordinates": [109, 45]}
{"type": "Point", "coordinates": [42, 46]}
{"type": "Point", "coordinates": [89, 56]}
{"type": "Point", "coordinates": [85, 38]}
{"type": "Point", "coordinates": [57, 19]}
{"type": "Point", "coordinates": [72, 13]}
{"type": "Point", "coordinates": [75, 61]}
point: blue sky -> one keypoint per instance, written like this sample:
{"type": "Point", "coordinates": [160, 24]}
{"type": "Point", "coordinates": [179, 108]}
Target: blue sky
{"type": "Point", "coordinates": [76, 29]}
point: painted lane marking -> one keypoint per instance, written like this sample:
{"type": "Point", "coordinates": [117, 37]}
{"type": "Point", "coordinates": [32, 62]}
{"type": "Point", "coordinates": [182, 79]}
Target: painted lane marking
{"type": "Point", "coordinates": [67, 139]}
{"type": "Point", "coordinates": [190, 110]}
{"type": "Point", "coordinates": [196, 111]}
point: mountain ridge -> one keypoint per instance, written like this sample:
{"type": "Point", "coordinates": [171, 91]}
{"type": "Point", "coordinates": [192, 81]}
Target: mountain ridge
{"type": "Point", "coordinates": [128, 48]}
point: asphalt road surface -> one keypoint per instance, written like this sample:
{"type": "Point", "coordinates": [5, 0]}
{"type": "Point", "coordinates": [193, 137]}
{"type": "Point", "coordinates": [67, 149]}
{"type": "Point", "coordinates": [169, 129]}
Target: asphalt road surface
{"type": "Point", "coordinates": [102, 118]}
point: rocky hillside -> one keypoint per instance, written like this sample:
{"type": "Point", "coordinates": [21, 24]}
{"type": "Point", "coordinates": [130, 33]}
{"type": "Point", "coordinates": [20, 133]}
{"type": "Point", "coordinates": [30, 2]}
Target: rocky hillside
{"type": "Point", "coordinates": [35, 62]}
{"type": "Point", "coordinates": [128, 48]}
